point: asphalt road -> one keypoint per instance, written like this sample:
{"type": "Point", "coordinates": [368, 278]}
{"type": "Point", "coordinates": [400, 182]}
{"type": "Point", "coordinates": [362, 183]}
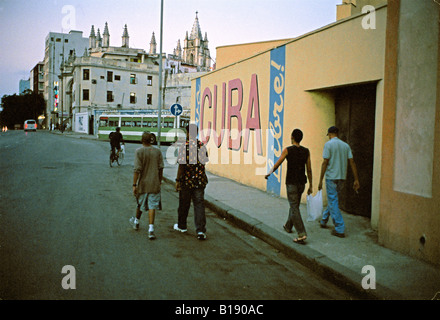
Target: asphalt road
{"type": "Point", "coordinates": [62, 205]}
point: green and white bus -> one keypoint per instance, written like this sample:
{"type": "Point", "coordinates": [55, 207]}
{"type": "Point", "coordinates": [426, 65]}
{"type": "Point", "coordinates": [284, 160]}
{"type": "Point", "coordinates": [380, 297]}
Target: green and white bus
{"type": "Point", "coordinates": [132, 126]}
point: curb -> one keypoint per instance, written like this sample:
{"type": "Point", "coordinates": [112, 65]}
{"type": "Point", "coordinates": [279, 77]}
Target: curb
{"type": "Point", "coordinates": [310, 258]}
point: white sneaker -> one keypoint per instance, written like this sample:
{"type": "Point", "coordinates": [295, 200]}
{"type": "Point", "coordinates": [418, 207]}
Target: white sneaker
{"type": "Point", "coordinates": [134, 223]}
{"type": "Point", "coordinates": [151, 235]}
{"type": "Point", "coordinates": [201, 236]}
{"type": "Point", "coordinates": [176, 227]}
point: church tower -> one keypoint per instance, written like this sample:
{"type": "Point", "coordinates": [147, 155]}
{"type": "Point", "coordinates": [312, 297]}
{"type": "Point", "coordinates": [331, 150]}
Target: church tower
{"type": "Point", "coordinates": [178, 50]}
{"type": "Point", "coordinates": [195, 50]}
{"type": "Point", "coordinates": [153, 45]}
{"type": "Point", "coordinates": [125, 38]}
{"type": "Point", "coordinates": [92, 38]}
{"type": "Point", "coordinates": [98, 40]}
{"type": "Point", "coordinates": [106, 37]}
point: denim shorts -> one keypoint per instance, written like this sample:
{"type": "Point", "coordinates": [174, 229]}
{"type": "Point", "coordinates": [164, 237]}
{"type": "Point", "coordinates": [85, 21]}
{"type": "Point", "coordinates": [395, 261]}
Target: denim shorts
{"type": "Point", "coordinates": [147, 201]}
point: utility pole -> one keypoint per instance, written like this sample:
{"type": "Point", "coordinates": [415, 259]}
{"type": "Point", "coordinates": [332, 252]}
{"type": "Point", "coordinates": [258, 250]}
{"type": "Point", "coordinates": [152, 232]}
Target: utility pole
{"type": "Point", "coordinates": [159, 116]}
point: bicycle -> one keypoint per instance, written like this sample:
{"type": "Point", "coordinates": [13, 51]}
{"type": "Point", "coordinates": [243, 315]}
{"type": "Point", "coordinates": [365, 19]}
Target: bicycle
{"type": "Point", "coordinates": [118, 157]}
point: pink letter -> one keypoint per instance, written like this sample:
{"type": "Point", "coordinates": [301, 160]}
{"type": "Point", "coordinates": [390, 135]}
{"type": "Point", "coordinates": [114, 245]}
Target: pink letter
{"type": "Point", "coordinates": [253, 117]}
{"type": "Point", "coordinates": [234, 111]}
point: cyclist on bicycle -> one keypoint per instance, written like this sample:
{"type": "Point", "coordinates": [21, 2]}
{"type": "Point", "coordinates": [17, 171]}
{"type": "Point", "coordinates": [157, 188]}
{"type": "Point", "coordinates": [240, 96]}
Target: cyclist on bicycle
{"type": "Point", "coordinates": [115, 140]}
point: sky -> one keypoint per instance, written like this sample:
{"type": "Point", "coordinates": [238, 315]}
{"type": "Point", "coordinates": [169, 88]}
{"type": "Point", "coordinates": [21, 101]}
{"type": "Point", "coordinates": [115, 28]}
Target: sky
{"type": "Point", "coordinates": [24, 25]}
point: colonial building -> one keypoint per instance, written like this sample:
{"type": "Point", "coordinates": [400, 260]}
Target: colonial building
{"type": "Point", "coordinates": [123, 79]}
{"type": "Point", "coordinates": [108, 79]}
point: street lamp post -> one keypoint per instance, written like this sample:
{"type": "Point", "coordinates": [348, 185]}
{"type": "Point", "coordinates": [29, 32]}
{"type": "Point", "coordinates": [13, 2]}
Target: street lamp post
{"type": "Point", "coordinates": [159, 117]}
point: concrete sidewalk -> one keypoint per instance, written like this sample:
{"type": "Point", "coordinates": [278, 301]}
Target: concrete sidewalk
{"type": "Point", "coordinates": [398, 277]}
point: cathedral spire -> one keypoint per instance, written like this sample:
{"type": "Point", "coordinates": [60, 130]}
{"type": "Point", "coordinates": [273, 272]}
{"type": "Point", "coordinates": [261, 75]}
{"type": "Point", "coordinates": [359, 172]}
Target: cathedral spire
{"type": "Point", "coordinates": [196, 33]}
{"type": "Point", "coordinates": [92, 38]}
{"type": "Point", "coordinates": [98, 39]}
{"type": "Point", "coordinates": [106, 37]}
{"type": "Point", "coordinates": [125, 38]}
{"type": "Point", "coordinates": [153, 45]}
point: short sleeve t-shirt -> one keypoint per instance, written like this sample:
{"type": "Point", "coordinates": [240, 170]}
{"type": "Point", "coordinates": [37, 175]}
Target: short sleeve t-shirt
{"type": "Point", "coordinates": [337, 152]}
{"type": "Point", "coordinates": [147, 162]}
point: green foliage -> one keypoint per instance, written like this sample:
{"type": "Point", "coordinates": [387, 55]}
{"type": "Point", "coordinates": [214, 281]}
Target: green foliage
{"type": "Point", "coordinates": [18, 108]}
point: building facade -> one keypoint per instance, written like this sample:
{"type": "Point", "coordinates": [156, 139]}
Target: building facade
{"type": "Point", "coordinates": [123, 79]}
{"type": "Point", "coordinates": [37, 78]}
{"type": "Point", "coordinates": [24, 85]}
{"type": "Point", "coordinates": [370, 75]}
{"type": "Point", "coordinates": [58, 47]}
{"type": "Point", "coordinates": [108, 79]}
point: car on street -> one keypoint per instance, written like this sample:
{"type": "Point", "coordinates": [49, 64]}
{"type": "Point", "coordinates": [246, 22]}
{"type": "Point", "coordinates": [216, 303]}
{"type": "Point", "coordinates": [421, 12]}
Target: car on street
{"type": "Point", "coordinates": [30, 125]}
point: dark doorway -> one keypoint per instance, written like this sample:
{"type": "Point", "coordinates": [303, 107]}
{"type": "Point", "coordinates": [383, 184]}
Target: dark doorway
{"type": "Point", "coordinates": [355, 108]}
{"type": "Point", "coordinates": [91, 125]}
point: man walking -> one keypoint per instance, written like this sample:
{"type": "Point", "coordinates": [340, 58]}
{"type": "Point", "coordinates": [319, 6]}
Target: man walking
{"type": "Point", "coordinates": [191, 181]}
{"type": "Point", "coordinates": [148, 173]}
{"type": "Point", "coordinates": [334, 168]}
{"type": "Point", "coordinates": [298, 159]}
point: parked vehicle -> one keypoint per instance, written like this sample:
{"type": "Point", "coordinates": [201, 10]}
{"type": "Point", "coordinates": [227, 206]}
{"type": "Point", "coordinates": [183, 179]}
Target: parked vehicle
{"type": "Point", "coordinates": [30, 125]}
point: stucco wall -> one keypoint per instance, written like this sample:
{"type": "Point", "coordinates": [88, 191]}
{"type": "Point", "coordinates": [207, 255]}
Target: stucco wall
{"type": "Point", "coordinates": [337, 55]}
{"type": "Point", "coordinates": [227, 55]}
{"type": "Point", "coordinates": [410, 195]}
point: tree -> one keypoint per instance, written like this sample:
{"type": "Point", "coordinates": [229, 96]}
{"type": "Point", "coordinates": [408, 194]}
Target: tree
{"type": "Point", "coordinates": [19, 108]}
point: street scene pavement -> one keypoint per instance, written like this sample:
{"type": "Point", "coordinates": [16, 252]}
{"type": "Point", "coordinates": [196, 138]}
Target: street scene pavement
{"type": "Point", "coordinates": [99, 208]}
{"type": "Point", "coordinates": [65, 213]}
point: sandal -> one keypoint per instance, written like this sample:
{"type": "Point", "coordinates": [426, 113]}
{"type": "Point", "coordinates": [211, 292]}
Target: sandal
{"type": "Point", "coordinates": [300, 240]}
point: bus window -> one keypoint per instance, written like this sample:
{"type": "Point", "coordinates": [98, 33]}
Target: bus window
{"type": "Point", "coordinates": [184, 123]}
{"type": "Point", "coordinates": [103, 122]}
{"type": "Point", "coordinates": [154, 124]}
{"type": "Point", "coordinates": [113, 123]}
{"type": "Point", "coordinates": [127, 123]}
{"type": "Point", "coordinates": [138, 124]}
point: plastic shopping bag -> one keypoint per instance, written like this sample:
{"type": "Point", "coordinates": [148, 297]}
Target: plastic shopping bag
{"type": "Point", "coordinates": [314, 206]}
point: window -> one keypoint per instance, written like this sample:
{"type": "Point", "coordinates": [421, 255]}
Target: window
{"type": "Point", "coordinates": [86, 74]}
{"type": "Point", "coordinates": [117, 77]}
{"type": "Point", "coordinates": [132, 97]}
{"type": "Point", "coordinates": [86, 94]}
{"type": "Point", "coordinates": [103, 122]}
{"type": "Point", "coordinates": [113, 123]}
{"type": "Point", "coordinates": [133, 79]}
{"type": "Point", "coordinates": [110, 97]}
{"type": "Point", "coordinates": [149, 99]}
{"type": "Point", "coordinates": [109, 76]}
{"type": "Point", "coordinates": [149, 81]}
{"type": "Point", "coordinates": [127, 123]}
